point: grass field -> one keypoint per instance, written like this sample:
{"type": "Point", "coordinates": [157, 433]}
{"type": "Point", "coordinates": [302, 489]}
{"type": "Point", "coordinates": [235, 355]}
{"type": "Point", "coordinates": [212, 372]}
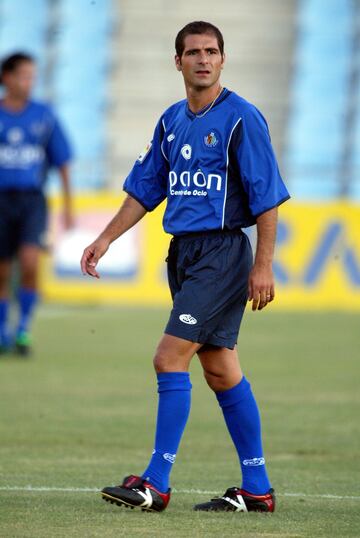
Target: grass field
{"type": "Point", "coordinates": [80, 415]}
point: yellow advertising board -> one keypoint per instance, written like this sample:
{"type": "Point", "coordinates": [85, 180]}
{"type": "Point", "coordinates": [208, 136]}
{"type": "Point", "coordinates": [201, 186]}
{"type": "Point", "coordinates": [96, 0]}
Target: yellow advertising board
{"type": "Point", "coordinates": [316, 266]}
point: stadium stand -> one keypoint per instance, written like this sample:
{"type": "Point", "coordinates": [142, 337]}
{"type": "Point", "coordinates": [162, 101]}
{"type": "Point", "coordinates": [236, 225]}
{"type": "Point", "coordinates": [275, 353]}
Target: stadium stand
{"type": "Point", "coordinates": [354, 112]}
{"type": "Point", "coordinates": [24, 27]}
{"type": "Point", "coordinates": [79, 83]}
{"type": "Point", "coordinates": [108, 69]}
{"type": "Point", "coordinates": [259, 46]}
{"type": "Point", "coordinates": [320, 98]}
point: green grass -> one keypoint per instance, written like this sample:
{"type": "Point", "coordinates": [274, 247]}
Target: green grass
{"type": "Point", "coordinates": [81, 414]}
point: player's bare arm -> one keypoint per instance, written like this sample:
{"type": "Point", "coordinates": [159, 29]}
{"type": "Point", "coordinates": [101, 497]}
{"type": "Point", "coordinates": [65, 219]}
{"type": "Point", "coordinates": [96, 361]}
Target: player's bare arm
{"type": "Point", "coordinates": [261, 279]}
{"type": "Point", "coordinates": [68, 218]}
{"type": "Point", "coordinates": [128, 215]}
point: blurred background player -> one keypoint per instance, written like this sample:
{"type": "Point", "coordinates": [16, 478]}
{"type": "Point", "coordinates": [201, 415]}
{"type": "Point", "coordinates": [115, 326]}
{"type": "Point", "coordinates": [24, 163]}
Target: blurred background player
{"type": "Point", "coordinates": [31, 141]}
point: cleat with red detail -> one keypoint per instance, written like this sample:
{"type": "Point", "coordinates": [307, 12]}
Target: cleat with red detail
{"type": "Point", "coordinates": [239, 500]}
{"type": "Point", "coordinates": [137, 492]}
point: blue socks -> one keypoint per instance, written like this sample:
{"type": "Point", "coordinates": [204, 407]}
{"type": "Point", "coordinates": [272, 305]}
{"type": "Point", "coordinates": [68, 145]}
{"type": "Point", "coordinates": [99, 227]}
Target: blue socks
{"type": "Point", "coordinates": [242, 418]}
{"type": "Point", "coordinates": [174, 390]}
{"type": "Point", "coordinates": [4, 310]}
{"type": "Point", "coordinates": [27, 301]}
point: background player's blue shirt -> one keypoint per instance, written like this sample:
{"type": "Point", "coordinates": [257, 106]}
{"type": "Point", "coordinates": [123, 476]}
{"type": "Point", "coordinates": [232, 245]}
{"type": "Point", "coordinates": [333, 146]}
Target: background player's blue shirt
{"type": "Point", "coordinates": [31, 141]}
{"type": "Point", "coordinates": [217, 171]}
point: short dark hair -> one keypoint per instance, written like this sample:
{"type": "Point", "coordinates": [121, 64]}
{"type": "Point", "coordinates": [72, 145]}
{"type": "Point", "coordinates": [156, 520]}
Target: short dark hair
{"type": "Point", "coordinates": [198, 27]}
{"type": "Point", "coordinates": [12, 62]}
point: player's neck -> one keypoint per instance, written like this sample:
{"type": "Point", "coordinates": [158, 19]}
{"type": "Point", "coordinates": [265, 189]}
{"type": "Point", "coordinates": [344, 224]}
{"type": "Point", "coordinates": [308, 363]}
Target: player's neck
{"type": "Point", "coordinates": [13, 102]}
{"type": "Point", "coordinates": [200, 98]}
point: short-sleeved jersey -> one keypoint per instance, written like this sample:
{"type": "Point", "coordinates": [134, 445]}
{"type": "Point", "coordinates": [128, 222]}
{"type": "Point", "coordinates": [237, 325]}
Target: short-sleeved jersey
{"type": "Point", "coordinates": [31, 141]}
{"type": "Point", "coordinates": [216, 168]}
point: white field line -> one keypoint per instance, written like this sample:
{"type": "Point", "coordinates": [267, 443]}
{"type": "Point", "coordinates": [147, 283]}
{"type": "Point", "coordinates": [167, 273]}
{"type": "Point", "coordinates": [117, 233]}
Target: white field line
{"type": "Point", "coordinates": [190, 491]}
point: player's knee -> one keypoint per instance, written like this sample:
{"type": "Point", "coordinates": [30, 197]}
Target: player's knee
{"type": "Point", "coordinates": [29, 278]}
{"type": "Point", "coordinates": [219, 381]}
{"type": "Point", "coordinates": [214, 381]}
{"type": "Point", "coordinates": [168, 359]}
{"type": "Point", "coordinates": [163, 359]}
{"type": "Point", "coordinates": [5, 271]}
{"type": "Point", "coordinates": [4, 282]}
{"type": "Point", "coordinates": [160, 362]}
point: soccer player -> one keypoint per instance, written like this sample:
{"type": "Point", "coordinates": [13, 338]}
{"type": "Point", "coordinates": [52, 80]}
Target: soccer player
{"type": "Point", "coordinates": [212, 159]}
{"type": "Point", "coordinates": [31, 141]}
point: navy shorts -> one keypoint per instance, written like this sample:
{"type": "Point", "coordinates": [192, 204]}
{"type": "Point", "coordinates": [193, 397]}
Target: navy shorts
{"type": "Point", "coordinates": [23, 220]}
{"type": "Point", "coordinates": [208, 277]}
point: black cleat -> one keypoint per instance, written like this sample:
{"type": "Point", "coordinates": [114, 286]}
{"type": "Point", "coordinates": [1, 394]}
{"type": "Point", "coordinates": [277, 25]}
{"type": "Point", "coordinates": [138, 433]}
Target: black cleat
{"type": "Point", "coordinates": [137, 492]}
{"type": "Point", "coordinates": [239, 500]}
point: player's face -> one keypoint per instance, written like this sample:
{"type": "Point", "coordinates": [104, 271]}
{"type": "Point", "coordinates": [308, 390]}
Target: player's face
{"type": "Point", "coordinates": [19, 83]}
{"type": "Point", "coordinates": [201, 62]}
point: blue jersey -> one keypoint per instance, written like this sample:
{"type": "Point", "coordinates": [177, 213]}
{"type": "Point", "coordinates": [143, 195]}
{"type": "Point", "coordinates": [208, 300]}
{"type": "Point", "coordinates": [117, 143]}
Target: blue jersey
{"type": "Point", "coordinates": [31, 141]}
{"type": "Point", "coordinates": [216, 168]}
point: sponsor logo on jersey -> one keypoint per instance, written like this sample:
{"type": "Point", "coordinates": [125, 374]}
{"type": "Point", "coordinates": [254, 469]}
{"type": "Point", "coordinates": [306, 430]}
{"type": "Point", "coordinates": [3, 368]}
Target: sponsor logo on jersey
{"type": "Point", "coordinates": [171, 137]}
{"type": "Point", "coordinates": [193, 184]}
{"type": "Point", "coordinates": [254, 462]}
{"type": "Point", "coordinates": [20, 156]}
{"type": "Point", "coordinates": [169, 457]}
{"type": "Point", "coordinates": [211, 139]}
{"type": "Point", "coordinates": [145, 152]}
{"type": "Point", "coordinates": [188, 318]}
{"type": "Point", "coordinates": [186, 152]}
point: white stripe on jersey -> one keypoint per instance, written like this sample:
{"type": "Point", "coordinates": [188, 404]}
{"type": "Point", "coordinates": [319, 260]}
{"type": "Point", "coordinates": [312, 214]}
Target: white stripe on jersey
{"type": "Point", "coordinates": [227, 169]}
{"type": "Point", "coordinates": [161, 145]}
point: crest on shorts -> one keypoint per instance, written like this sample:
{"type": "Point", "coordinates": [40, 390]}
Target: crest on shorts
{"type": "Point", "coordinates": [188, 319]}
{"type": "Point", "coordinates": [211, 139]}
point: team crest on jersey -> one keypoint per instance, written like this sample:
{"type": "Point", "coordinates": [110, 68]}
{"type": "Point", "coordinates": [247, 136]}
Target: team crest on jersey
{"type": "Point", "coordinates": [211, 139]}
{"type": "Point", "coordinates": [37, 128]}
{"type": "Point", "coordinates": [145, 152]}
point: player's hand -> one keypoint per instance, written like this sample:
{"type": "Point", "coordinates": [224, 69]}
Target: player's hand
{"type": "Point", "coordinates": [261, 286]}
{"type": "Point", "coordinates": [92, 255]}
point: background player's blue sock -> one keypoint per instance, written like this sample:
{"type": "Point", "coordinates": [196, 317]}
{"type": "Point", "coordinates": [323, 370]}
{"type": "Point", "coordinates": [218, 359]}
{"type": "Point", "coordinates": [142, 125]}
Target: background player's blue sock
{"type": "Point", "coordinates": [174, 390]}
{"type": "Point", "coordinates": [4, 310]}
{"type": "Point", "coordinates": [27, 301]}
{"type": "Point", "coordinates": [243, 421]}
